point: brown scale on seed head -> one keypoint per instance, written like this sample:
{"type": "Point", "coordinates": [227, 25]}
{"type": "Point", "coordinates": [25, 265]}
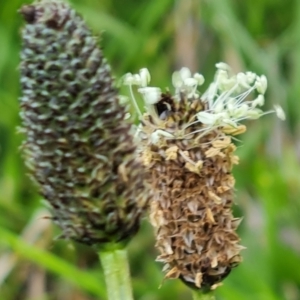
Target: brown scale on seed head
{"type": "Point", "coordinates": [28, 12]}
{"type": "Point", "coordinates": [192, 183]}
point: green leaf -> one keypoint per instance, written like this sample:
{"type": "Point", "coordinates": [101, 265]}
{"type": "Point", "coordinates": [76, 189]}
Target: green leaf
{"type": "Point", "coordinates": [81, 279]}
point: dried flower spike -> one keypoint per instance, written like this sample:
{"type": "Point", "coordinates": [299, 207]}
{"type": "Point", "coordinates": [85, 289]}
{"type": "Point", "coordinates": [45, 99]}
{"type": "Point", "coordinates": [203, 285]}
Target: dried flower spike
{"type": "Point", "coordinates": [186, 146]}
{"type": "Point", "coordinates": [79, 147]}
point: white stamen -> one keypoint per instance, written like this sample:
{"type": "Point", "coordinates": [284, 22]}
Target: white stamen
{"type": "Point", "coordinates": [136, 79]}
{"type": "Point", "coordinates": [230, 122]}
{"type": "Point", "coordinates": [223, 66]}
{"type": "Point", "coordinates": [128, 79]}
{"type": "Point", "coordinates": [176, 80]}
{"type": "Point", "coordinates": [254, 113]}
{"type": "Point", "coordinates": [145, 77]}
{"type": "Point", "coordinates": [185, 73]}
{"type": "Point", "coordinates": [157, 134]}
{"type": "Point", "coordinates": [200, 78]}
{"type": "Point", "coordinates": [206, 118]}
{"type": "Point", "coordinates": [259, 101]}
{"type": "Point", "coordinates": [151, 95]}
{"type": "Point", "coordinates": [261, 84]}
{"type": "Point", "coordinates": [190, 82]}
{"type": "Point", "coordinates": [227, 99]}
{"type": "Point", "coordinates": [240, 111]}
{"type": "Point", "coordinates": [243, 80]}
{"type": "Point", "coordinates": [123, 99]}
{"type": "Point", "coordinates": [251, 77]}
{"type": "Point", "coordinates": [279, 112]}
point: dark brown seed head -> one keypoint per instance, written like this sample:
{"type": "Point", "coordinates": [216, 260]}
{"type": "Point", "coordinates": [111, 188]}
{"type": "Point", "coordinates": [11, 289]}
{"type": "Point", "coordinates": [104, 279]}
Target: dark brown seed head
{"type": "Point", "coordinates": [78, 144]}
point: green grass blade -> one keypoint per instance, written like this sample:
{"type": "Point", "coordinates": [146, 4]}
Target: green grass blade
{"type": "Point", "coordinates": [81, 279]}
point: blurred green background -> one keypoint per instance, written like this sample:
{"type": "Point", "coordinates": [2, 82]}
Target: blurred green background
{"type": "Point", "coordinates": [258, 35]}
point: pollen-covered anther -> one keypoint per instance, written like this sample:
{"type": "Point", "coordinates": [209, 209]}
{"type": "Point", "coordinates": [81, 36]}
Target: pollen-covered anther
{"type": "Point", "coordinates": [216, 285]}
{"type": "Point", "coordinates": [173, 273]}
{"type": "Point", "coordinates": [222, 189]}
{"type": "Point", "coordinates": [235, 160]}
{"type": "Point", "coordinates": [234, 131]}
{"type": "Point", "coordinates": [222, 143]}
{"type": "Point", "coordinates": [210, 216]}
{"type": "Point", "coordinates": [214, 197]}
{"type": "Point", "coordinates": [198, 280]}
{"type": "Point", "coordinates": [147, 157]}
{"type": "Point", "coordinates": [213, 152]}
{"type": "Point", "coordinates": [194, 167]}
{"type": "Point", "coordinates": [171, 153]}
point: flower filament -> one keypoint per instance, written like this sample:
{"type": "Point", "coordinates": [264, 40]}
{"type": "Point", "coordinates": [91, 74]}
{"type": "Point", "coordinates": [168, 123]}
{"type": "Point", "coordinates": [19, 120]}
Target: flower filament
{"type": "Point", "coordinates": [226, 101]}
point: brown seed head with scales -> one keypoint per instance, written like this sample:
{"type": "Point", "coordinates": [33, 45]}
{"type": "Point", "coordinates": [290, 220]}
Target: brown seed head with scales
{"type": "Point", "coordinates": [192, 205]}
{"type": "Point", "coordinates": [187, 149]}
{"type": "Point", "coordinates": [78, 144]}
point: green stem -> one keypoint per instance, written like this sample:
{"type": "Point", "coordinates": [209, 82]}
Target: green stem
{"type": "Point", "coordinates": [117, 275]}
{"type": "Point", "coordinates": [201, 296]}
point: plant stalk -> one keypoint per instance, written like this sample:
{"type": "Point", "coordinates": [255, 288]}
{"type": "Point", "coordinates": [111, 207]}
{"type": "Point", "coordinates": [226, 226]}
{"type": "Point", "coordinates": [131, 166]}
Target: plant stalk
{"type": "Point", "coordinates": [201, 296]}
{"type": "Point", "coordinates": [117, 274]}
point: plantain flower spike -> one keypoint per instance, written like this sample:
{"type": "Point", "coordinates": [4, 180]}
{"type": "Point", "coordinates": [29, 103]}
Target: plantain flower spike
{"type": "Point", "coordinates": [187, 149]}
{"type": "Point", "coordinates": [79, 146]}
